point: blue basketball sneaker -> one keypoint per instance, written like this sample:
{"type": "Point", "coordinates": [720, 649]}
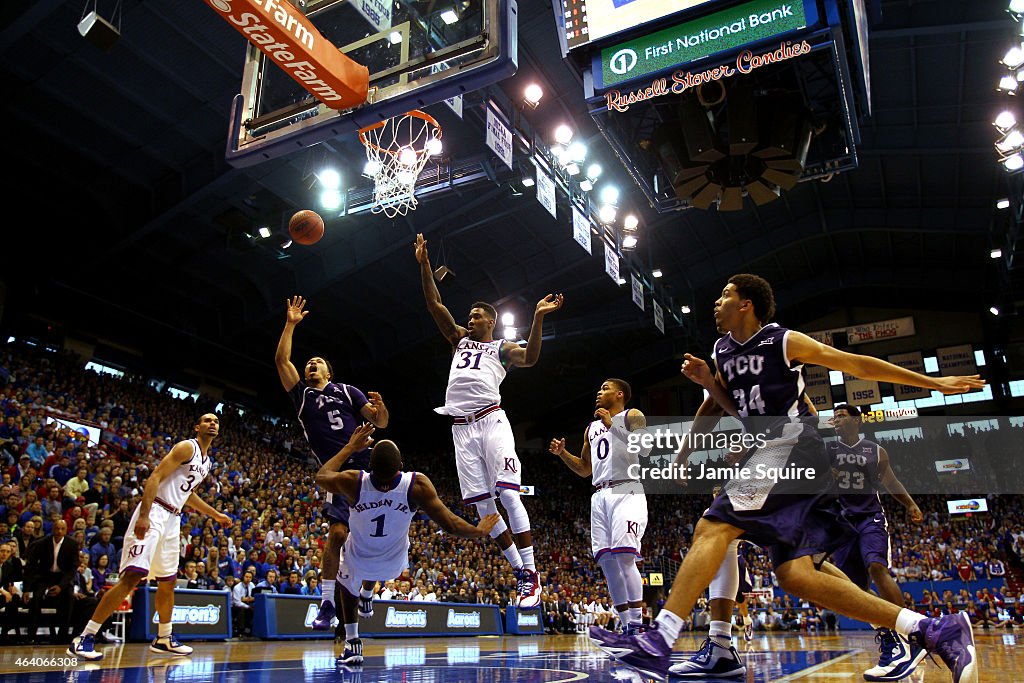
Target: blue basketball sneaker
{"type": "Point", "coordinates": [896, 657]}
{"type": "Point", "coordinates": [324, 617]}
{"type": "Point", "coordinates": [647, 653]}
{"type": "Point", "coordinates": [353, 653]}
{"type": "Point", "coordinates": [169, 646]}
{"type": "Point", "coordinates": [951, 638]}
{"type": "Point", "coordinates": [84, 647]}
{"type": "Point", "coordinates": [711, 661]}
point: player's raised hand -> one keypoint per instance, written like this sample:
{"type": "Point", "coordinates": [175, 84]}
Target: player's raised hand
{"type": "Point", "coordinates": [604, 416]}
{"type": "Point", "coordinates": [362, 437]}
{"type": "Point", "coordinates": [485, 525]}
{"type": "Point", "coordinates": [959, 384]}
{"type": "Point", "coordinates": [421, 249]}
{"type": "Point", "coordinates": [549, 304]}
{"type": "Point", "coordinates": [557, 446]}
{"type": "Point", "coordinates": [696, 370]}
{"type": "Point", "coordinates": [295, 312]}
{"type": "Point", "coordinates": [375, 399]}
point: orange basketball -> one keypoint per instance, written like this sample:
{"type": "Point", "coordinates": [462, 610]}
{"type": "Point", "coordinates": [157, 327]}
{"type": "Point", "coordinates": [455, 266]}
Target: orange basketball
{"type": "Point", "coordinates": [306, 227]}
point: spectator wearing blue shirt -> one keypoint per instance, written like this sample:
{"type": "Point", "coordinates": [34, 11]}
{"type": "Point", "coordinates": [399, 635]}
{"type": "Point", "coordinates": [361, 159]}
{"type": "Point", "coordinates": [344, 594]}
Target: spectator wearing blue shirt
{"type": "Point", "coordinates": [37, 452]}
{"type": "Point", "coordinates": [312, 586]}
{"type": "Point", "coordinates": [293, 586]}
{"type": "Point", "coordinates": [104, 546]}
{"type": "Point", "coordinates": [62, 472]}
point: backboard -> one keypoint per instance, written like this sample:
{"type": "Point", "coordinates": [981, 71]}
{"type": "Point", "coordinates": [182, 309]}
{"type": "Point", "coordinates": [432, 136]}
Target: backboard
{"type": "Point", "coordinates": [418, 53]}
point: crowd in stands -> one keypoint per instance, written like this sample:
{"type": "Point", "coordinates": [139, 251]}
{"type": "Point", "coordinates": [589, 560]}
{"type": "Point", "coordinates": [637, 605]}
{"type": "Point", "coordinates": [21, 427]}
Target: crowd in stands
{"type": "Point", "coordinates": [56, 482]}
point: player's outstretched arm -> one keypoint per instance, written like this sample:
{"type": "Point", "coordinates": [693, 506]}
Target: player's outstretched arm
{"type": "Point", "coordinates": [580, 464]}
{"type": "Point", "coordinates": [294, 314]}
{"type": "Point", "coordinates": [204, 508]}
{"type": "Point", "coordinates": [374, 411]}
{"type": "Point", "coordinates": [528, 357]}
{"type": "Point", "coordinates": [896, 488]}
{"type": "Point", "coordinates": [424, 496]}
{"type": "Point", "coordinates": [180, 454]}
{"type": "Point", "coordinates": [442, 316]}
{"type": "Point", "coordinates": [329, 478]}
{"type": "Point", "coordinates": [806, 350]}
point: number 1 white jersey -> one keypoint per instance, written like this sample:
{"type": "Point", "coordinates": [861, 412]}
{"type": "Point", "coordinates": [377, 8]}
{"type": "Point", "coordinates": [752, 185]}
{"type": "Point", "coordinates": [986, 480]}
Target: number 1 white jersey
{"type": "Point", "coordinates": [474, 378]}
{"type": "Point", "coordinates": [378, 539]}
{"type": "Point", "coordinates": [178, 486]}
{"type": "Point", "coordinates": [609, 457]}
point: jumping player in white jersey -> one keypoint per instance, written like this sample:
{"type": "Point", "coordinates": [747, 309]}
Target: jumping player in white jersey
{"type": "Point", "coordinates": [383, 503]}
{"type": "Point", "coordinates": [485, 454]}
{"type": "Point", "coordinates": [151, 545]}
{"type": "Point", "coordinates": [329, 412]}
{"type": "Point", "coordinates": [618, 508]}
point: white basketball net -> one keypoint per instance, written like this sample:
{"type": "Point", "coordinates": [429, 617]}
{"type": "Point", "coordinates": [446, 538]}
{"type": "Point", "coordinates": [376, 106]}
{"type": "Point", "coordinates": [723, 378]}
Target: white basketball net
{"type": "Point", "coordinates": [396, 152]}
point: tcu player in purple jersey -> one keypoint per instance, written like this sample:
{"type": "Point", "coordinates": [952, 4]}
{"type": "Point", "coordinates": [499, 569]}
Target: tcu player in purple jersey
{"type": "Point", "coordinates": [329, 413]}
{"type": "Point", "coordinates": [485, 449]}
{"type": "Point", "coordinates": [861, 468]}
{"type": "Point", "coordinates": [759, 368]}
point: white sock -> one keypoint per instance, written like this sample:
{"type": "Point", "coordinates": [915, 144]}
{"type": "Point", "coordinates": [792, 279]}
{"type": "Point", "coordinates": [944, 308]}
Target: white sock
{"type": "Point", "coordinates": [721, 633]}
{"type": "Point", "coordinates": [623, 617]}
{"type": "Point", "coordinates": [635, 615]}
{"type": "Point", "coordinates": [669, 625]}
{"type": "Point", "coordinates": [92, 628]}
{"type": "Point", "coordinates": [527, 555]}
{"type": "Point", "coordinates": [351, 631]}
{"type": "Point", "coordinates": [164, 630]}
{"type": "Point", "coordinates": [511, 554]}
{"type": "Point", "coordinates": [328, 588]}
{"type": "Point", "coordinates": [364, 593]}
{"type": "Point", "coordinates": [907, 622]}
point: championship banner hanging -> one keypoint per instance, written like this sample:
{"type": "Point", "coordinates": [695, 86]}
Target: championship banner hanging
{"type": "Point", "coordinates": [638, 291]}
{"type": "Point", "coordinates": [956, 360]}
{"type": "Point", "coordinates": [861, 392]}
{"type": "Point", "coordinates": [581, 228]}
{"type": "Point", "coordinates": [818, 387]}
{"type": "Point", "coordinates": [911, 361]}
{"type": "Point", "coordinates": [611, 262]}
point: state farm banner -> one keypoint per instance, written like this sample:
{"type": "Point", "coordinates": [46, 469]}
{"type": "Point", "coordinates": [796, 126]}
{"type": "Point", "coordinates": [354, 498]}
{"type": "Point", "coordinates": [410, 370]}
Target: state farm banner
{"type": "Point", "coordinates": [911, 361]}
{"type": "Point", "coordinates": [956, 360]}
{"type": "Point", "coordinates": [861, 392]}
{"type": "Point", "coordinates": [818, 387]}
{"type": "Point", "coordinates": [868, 332]}
{"type": "Point", "coordinates": [290, 40]}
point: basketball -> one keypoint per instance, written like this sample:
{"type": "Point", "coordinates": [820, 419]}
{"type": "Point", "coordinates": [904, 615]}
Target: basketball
{"type": "Point", "coordinates": [306, 227]}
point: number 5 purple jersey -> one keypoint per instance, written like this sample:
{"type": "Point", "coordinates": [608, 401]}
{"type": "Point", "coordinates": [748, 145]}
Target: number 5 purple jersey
{"type": "Point", "coordinates": [329, 417]}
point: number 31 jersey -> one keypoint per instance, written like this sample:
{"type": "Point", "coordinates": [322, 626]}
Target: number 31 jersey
{"type": "Point", "coordinates": [761, 378]}
{"type": "Point", "coordinates": [476, 373]}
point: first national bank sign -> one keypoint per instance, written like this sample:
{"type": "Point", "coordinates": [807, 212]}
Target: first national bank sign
{"type": "Point", "coordinates": [685, 43]}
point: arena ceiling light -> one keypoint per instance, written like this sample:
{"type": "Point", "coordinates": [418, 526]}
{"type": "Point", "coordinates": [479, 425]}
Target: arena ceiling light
{"type": "Point", "coordinates": [685, 310]}
{"type": "Point", "coordinates": [329, 178]}
{"type": "Point", "coordinates": [656, 272]}
{"type": "Point", "coordinates": [395, 37]}
{"type": "Point", "coordinates": [1003, 204]}
{"type": "Point", "coordinates": [586, 185]}
{"type": "Point", "coordinates": [372, 168]}
{"type": "Point", "coordinates": [606, 214]}
{"type": "Point", "coordinates": [1014, 57]}
{"type": "Point", "coordinates": [510, 333]}
{"type": "Point", "coordinates": [330, 199]}
{"type": "Point", "coordinates": [629, 242]}
{"type": "Point", "coordinates": [1014, 162]}
{"type": "Point", "coordinates": [994, 310]}
{"type": "Point", "coordinates": [594, 171]}
{"type": "Point", "coordinates": [572, 169]}
{"type": "Point", "coordinates": [995, 253]}
{"type": "Point", "coordinates": [577, 152]}
{"type": "Point", "coordinates": [532, 95]}
{"type": "Point", "coordinates": [1005, 121]}
{"type": "Point", "coordinates": [1007, 84]}
{"type": "Point", "coordinates": [630, 222]}
{"type": "Point", "coordinates": [449, 16]}
{"type": "Point", "coordinates": [563, 134]}
{"type": "Point", "coordinates": [610, 194]}
{"type": "Point", "coordinates": [528, 181]}
{"type": "Point", "coordinates": [508, 319]}
{"type": "Point", "coordinates": [264, 232]}
{"type": "Point", "coordinates": [1011, 141]}
{"type": "Point", "coordinates": [1016, 7]}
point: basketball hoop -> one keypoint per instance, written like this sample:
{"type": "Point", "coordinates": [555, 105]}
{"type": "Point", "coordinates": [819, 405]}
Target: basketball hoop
{"type": "Point", "coordinates": [397, 149]}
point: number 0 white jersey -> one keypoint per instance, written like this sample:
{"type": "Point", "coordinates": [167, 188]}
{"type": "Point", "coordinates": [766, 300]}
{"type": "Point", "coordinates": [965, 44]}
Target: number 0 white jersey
{"type": "Point", "coordinates": [474, 378]}
{"type": "Point", "coordinates": [609, 457]}
{"type": "Point", "coordinates": [177, 487]}
{"type": "Point", "coordinates": [379, 522]}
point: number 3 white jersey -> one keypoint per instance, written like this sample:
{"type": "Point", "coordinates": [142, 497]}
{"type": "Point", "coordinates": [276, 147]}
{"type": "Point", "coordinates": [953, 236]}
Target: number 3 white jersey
{"type": "Point", "coordinates": [178, 486]}
{"type": "Point", "coordinates": [474, 378]}
{"type": "Point", "coordinates": [609, 457]}
{"type": "Point", "coordinates": [377, 546]}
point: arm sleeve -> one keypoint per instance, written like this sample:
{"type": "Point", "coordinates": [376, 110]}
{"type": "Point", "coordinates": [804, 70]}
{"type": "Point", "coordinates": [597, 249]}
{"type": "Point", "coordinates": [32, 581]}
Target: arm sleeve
{"type": "Point", "coordinates": [358, 398]}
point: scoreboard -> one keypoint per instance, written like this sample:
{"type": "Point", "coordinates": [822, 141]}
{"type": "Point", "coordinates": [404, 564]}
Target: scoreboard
{"type": "Point", "coordinates": [590, 20]}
